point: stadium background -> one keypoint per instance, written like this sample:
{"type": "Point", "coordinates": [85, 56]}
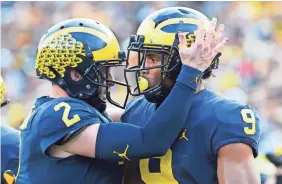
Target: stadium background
{"type": "Point", "coordinates": [250, 68]}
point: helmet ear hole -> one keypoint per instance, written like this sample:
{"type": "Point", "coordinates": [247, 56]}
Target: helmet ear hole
{"type": "Point", "coordinates": [75, 76]}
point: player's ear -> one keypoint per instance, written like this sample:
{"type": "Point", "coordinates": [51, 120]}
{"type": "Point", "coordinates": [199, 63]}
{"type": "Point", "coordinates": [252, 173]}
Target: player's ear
{"type": "Point", "coordinates": [75, 75]}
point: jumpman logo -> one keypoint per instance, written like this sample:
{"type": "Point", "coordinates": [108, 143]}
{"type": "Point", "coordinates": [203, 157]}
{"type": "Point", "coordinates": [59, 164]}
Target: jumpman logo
{"type": "Point", "coordinates": [123, 155]}
{"type": "Point", "coordinates": [196, 79]}
{"type": "Point", "coordinates": [183, 136]}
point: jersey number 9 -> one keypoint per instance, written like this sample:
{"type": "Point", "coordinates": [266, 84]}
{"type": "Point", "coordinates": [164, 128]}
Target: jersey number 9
{"type": "Point", "coordinates": [249, 117]}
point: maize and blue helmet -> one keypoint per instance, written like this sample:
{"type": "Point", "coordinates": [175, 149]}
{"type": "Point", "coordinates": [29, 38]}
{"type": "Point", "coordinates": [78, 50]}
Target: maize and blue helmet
{"type": "Point", "coordinates": [85, 45]}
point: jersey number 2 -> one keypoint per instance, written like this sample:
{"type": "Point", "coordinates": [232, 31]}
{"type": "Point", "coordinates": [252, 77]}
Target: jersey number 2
{"type": "Point", "coordinates": [165, 176]}
{"type": "Point", "coordinates": [249, 117]}
{"type": "Point", "coordinates": [65, 118]}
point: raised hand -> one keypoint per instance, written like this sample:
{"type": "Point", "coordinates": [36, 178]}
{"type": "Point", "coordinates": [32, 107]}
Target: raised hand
{"type": "Point", "coordinates": [205, 48]}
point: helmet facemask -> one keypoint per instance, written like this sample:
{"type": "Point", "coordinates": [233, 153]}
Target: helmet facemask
{"type": "Point", "coordinates": [169, 68]}
{"type": "Point", "coordinates": [104, 69]}
{"type": "Point", "coordinates": [96, 76]}
{"type": "Point", "coordinates": [139, 85]}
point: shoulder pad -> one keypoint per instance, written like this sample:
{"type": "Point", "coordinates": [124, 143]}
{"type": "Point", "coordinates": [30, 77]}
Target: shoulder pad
{"type": "Point", "coordinates": [227, 109]}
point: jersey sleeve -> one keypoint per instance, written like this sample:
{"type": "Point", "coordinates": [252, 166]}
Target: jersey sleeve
{"type": "Point", "coordinates": [61, 118]}
{"type": "Point", "coordinates": [236, 124]}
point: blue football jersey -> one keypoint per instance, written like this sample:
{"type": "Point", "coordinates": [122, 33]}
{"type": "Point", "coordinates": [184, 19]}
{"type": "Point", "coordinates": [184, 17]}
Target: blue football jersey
{"type": "Point", "coordinates": [49, 121]}
{"type": "Point", "coordinates": [212, 123]}
{"type": "Point", "coordinates": [9, 150]}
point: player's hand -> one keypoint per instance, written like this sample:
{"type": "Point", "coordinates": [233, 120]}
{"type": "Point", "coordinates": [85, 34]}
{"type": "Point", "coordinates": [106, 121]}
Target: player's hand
{"type": "Point", "coordinates": [205, 48]}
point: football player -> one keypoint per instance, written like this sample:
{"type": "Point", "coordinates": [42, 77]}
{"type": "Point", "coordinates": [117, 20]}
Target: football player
{"type": "Point", "coordinates": [9, 145]}
{"type": "Point", "coordinates": [219, 140]}
{"type": "Point", "coordinates": [67, 137]}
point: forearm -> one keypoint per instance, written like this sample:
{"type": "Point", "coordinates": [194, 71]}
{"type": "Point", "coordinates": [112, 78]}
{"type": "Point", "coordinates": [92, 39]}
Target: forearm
{"type": "Point", "coordinates": [158, 134]}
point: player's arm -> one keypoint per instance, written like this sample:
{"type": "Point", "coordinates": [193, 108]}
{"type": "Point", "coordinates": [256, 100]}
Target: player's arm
{"type": "Point", "coordinates": [236, 164]}
{"type": "Point", "coordinates": [235, 143]}
{"type": "Point", "coordinates": [106, 141]}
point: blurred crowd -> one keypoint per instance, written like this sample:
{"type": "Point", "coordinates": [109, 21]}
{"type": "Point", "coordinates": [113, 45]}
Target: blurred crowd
{"type": "Point", "coordinates": [250, 69]}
